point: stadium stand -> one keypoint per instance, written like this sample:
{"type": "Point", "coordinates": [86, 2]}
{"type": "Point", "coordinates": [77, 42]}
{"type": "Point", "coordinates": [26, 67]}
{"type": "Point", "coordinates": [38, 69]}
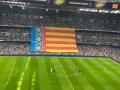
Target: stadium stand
{"type": "Point", "coordinates": [98, 38]}
{"type": "Point", "coordinates": [85, 23]}
{"type": "Point", "coordinates": [93, 38]}
{"type": "Point", "coordinates": [13, 48]}
{"type": "Point", "coordinates": [14, 35]}
{"type": "Point", "coordinates": [17, 42]}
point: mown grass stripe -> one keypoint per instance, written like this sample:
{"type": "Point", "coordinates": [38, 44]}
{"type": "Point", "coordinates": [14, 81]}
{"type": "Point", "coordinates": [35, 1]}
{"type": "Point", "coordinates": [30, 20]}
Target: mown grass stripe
{"type": "Point", "coordinates": [82, 78]}
{"type": "Point", "coordinates": [33, 70]}
{"type": "Point", "coordinates": [113, 62]}
{"type": "Point", "coordinates": [106, 79]}
{"type": "Point", "coordinates": [66, 76]}
{"type": "Point", "coordinates": [35, 75]}
{"type": "Point", "coordinates": [97, 75]}
{"type": "Point", "coordinates": [87, 67]}
{"type": "Point", "coordinates": [25, 82]}
{"type": "Point", "coordinates": [74, 79]}
{"type": "Point", "coordinates": [11, 73]}
{"type": "Point", "coordinates": [43, 74]}
{"type": "Point", "coordinates": [87, 72]}
{"type": "Point", "coordinates": [22, 82]}
{"type": "Point", "coordinates": [54, 80]}
{"type": "Point", "coordinates": [108, 75]}
{"type": "Point", "coordinates": [5, 70]}
{"type": "Point", "coordinates": [65, 84]}
{"type": "Point", "coordinates": [20, 65]}
{"type": "Point", "coordinates": [111, 66]}
{"type": "Point", "coordinates": [23, 71]}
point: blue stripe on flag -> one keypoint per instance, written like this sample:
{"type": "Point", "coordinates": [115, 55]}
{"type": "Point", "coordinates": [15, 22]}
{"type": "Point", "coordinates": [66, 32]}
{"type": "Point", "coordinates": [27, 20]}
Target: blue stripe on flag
{"type": "Point", "coordinates": [33, 42]}
{"type": "Point", "coordinates": [36, 39]}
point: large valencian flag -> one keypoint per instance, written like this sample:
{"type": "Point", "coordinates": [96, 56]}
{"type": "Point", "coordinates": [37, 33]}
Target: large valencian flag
{"type": "Point", "coordinates": [59, 40]}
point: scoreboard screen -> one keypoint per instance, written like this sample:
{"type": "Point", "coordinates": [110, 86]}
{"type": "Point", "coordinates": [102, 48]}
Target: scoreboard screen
{"type": "Point", "coordinates": [115, 6]}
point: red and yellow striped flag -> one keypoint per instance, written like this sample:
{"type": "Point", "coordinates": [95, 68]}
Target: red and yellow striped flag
{"type": "Point", "coordinates": [59, 40]}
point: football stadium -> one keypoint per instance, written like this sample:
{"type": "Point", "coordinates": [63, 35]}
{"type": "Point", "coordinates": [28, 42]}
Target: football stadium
{"type": "Point", "coordinates": [59, 45]}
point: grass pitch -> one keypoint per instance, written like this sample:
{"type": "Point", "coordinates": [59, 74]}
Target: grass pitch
{"type": "Point", "coordinates": [69, 73]}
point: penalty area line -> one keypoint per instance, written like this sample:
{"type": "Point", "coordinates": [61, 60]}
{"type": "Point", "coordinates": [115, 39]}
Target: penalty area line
{"type": "Point", "coordinates": [10, 74]}
{"type": "Point", "coordinates": [67, 78]}
{"type": "Point", "coordinates": [22, 74]}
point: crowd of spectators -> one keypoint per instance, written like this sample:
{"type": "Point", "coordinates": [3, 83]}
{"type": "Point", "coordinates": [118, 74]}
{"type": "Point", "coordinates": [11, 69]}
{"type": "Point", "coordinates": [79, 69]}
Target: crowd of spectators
{"type": "Point", "coordinates": [79, 23]}
{"type": "Point", "coordinates": [90, 50]}
{"type": "Point", "coordinates": [15, 35]}
{"type": "Point", "coordinates": [13, 48]}
{"type": "Point", "coordinates": [98, 38]}
{"type": "Point", "coordinates": [84, 50]}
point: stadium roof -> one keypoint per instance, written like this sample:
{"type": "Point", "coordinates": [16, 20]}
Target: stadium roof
{"type": "Point", "coordinates": [33, 1]}
{"type": "Point", "coordinates": [70, 5]}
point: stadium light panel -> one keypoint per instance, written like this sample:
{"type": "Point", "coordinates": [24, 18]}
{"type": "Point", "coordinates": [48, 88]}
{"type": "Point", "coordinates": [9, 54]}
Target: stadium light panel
{"type": "Point", "coordinates": [81, 9]}
{"type": "Point", "coordinates": [106, 11]}
{"type": "Point", "coordinates": [57, 11]}
{"type": "Point", "coordinates": [46, 10]}
{"type": "Point", "coordinates": [87, 10]}
{"type": "Point", "coordinates": [111, 11]}
{"type": "Point", "coordinates": [41, 0]}
{"type": "Point", "coordinates": [100, 11]}
{"type": "Point", "coordinates": [117, 11]}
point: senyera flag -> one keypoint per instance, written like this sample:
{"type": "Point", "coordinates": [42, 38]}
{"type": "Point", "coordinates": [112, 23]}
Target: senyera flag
{"type": "Point", "coordinates": [59, 40]}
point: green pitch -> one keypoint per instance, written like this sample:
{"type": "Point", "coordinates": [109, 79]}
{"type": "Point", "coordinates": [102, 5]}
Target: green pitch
{"type": "Point", "coordinates": [59, 73]}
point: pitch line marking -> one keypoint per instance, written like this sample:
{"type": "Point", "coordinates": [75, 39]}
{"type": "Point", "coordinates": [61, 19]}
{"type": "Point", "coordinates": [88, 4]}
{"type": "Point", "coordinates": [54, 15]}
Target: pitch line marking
{"type": "Point", "coordinates": [22, 74]}
{"type": "Point", "coordinates": [67, 78]}
{"type": "Point", "coordinates": [16, 71]}
{"type": "Point", "coordinates": [27, 64]}
{"type": "Point", "coordinates": [10, 74]}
